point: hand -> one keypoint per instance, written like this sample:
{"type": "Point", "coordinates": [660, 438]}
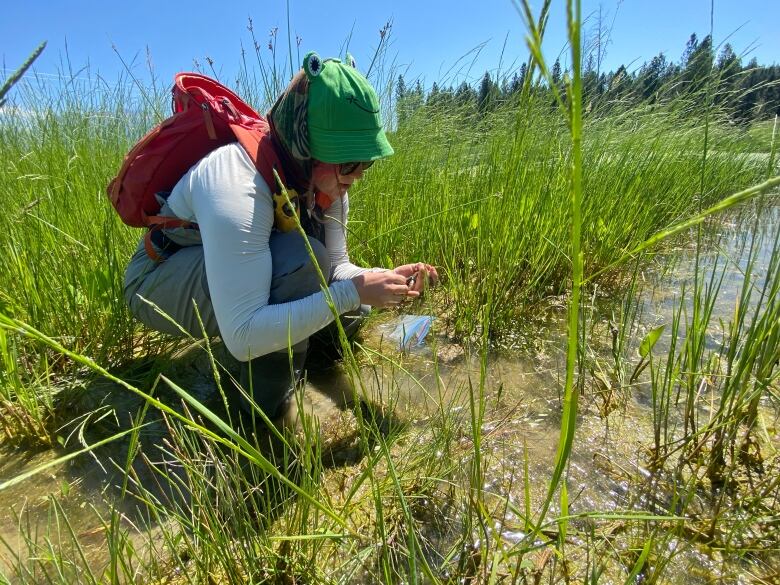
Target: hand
{"type": "Point", "coordinates": [421, 273]}
{"type": "Point", "coordinates": [383, 289]}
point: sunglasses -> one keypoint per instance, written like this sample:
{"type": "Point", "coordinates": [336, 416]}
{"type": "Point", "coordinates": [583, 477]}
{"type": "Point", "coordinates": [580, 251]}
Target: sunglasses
{"type": "Point", "coordinates": [348, 168]}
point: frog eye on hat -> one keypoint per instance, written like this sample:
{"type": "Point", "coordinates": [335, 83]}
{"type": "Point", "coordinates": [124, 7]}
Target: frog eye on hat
{"type": "Point", "coordinates": [313, 64]}
{"type": "Point", "coordinates": [351, 61]}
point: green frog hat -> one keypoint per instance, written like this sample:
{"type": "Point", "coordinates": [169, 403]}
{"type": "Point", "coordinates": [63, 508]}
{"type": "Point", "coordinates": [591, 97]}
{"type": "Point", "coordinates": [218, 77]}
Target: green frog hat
{"type": "Point", "coordinates": [328, 112]}
{"type": "Point", "coordinates": [343, 113]}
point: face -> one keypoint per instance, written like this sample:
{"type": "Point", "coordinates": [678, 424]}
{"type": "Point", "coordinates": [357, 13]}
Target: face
{"type": "Point", "coordinates": [327, 178]}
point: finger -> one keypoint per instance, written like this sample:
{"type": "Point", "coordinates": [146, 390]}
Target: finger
{"type": "Point", "coordinates": [421, 280]}
{"type": "Point", "coordinates": [416, 267]}
{"type": "Point", "coordinates": [398, 289]}
{"type": "Point", "coordinates": [406, 270]}
{"type": "Point", "coordinates": [397, 278]}
{"type": "Point", "coordinates": [405, 291]}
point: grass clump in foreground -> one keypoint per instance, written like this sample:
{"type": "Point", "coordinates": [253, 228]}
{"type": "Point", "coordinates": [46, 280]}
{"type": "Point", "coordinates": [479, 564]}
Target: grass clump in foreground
{"type": "Point", "coordinates": [508, 205]}
{"type": "Point", "coordinates": [433, 496]}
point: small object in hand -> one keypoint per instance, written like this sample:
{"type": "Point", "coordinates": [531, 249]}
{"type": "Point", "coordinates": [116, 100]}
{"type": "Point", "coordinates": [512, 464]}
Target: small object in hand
{"type": "Point", "coordinates": [411, 280]}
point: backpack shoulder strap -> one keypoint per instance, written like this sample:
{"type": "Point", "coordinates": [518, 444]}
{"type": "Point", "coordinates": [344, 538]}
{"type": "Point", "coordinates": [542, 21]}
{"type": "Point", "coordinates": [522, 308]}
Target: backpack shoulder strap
{"type": "Point", "coordinates": [257, 143]}
{"type": "Point", "coordinates": [259, 147]}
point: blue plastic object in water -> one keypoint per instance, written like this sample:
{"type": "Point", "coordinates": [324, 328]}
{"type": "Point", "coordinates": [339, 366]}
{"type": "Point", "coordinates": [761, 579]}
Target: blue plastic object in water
{"type": "Point", "coordinates": [411, 331]}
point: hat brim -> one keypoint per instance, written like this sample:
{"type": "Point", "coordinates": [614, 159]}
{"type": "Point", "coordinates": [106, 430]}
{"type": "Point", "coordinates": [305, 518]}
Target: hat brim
{"type": "Point", "coordinates": [340, 146]}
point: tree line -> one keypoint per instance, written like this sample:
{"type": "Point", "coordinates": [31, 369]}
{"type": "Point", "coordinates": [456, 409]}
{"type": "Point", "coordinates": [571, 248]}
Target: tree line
{"type": "Point", "coordinates": [744, 92]}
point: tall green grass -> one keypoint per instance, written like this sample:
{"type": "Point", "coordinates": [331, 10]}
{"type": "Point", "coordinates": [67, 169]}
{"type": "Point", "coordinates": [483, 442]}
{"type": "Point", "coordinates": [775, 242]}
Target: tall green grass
{"type": "Point", "coordinates": [480, 197]}
{"type": "Point", "coordinates": [484, 199]}
{"type": "Point", "coordinates": [531, 202]}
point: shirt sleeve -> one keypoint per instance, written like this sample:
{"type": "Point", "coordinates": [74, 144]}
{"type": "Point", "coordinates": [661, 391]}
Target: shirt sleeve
{"type": "Point", "coordinates": [231, 203]}
{"type": "Point", "coordinates": [336, 242]}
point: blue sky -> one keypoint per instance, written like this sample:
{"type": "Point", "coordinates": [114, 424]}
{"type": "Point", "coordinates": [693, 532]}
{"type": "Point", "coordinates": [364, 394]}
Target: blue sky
{"type": "Point", "coordinates": [432, 40]}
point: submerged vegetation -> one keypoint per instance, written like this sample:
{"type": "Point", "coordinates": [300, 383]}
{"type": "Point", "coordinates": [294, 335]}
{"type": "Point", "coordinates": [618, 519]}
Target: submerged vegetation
{"type": "Point", "coordinates": [425, 472]}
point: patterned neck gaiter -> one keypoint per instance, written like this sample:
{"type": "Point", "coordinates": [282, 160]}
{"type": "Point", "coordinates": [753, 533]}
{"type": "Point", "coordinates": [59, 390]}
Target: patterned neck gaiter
{"type": "Point", "coordinates": [288, 119]}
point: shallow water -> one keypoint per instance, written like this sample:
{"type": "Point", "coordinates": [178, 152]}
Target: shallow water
{"type": "Point", "coordinates": [522, 420]}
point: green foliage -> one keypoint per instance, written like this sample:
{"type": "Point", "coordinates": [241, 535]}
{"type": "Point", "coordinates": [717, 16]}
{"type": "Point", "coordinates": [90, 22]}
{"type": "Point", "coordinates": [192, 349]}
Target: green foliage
{"type": "Point", "coordinates": [650, 340]}
{"type": "Point", "coordinates": [515, 201]}
{"type": "Point", "coordinates": [640, 175]}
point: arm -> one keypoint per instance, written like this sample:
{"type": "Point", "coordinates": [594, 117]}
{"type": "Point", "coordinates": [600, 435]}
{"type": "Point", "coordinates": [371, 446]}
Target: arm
{"type": "Point", "coordinates": [232, 205]}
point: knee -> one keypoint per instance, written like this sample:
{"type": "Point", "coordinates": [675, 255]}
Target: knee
{"type": "Point", "coordinates": [309, 276]}
{"type": "Point", "coordinates": [295, 275]}
{"type": "Point", "coordinates": [290, 253]}
{"type": "Point", "coordinates": [323, 259]}
{"type": "Point", "coordinates": [135, 274]}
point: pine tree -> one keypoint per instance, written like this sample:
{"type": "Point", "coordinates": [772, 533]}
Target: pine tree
{"type": "Point", "coordinates": [515, 84]}
{"type": "Point", "coordinates": [505, 88]}
{"type": "Point", "coordinates": [652, 77]}
{"type": "Point", "coordinates": [727, 58]}
{"type": "Point", "coordinates": [401, 107]}
{"type": "Point", "coordinates": [446, 98]}
{"type": "Point", "coordinates": [488, 94]}
{"type": "Point", "coordinates": [434, 97]}
{"type": "Point", "coordinates": [417, 96]}
{"type": "Point", "coordinates": [556, 72]}
{"type": "Point", "coordinates": [519, 79]}
{"type": "Point", "coordinates": [690, 47]}
{"type": "Point", "coordinates": [729, 71]}
{"type": "Point", "coordinates": [618, 84]}
{"type": "Point", "coordinates": [773, 91]}
{"type": "Point", "coordinates": [698, 63]}
{"type": "Point", "coordinates": [400, 88]}
{"type": "Point", "coordinates": [465, 96]}
{"type": "Point", "coordinates": [747, 110]}
{"type": "Point", "coordinates": [590, 80]}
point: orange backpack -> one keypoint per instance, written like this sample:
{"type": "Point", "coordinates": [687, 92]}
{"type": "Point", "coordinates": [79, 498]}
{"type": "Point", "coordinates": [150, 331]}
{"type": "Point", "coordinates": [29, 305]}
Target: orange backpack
{"type": "Point", "coordinates": [206, 115]}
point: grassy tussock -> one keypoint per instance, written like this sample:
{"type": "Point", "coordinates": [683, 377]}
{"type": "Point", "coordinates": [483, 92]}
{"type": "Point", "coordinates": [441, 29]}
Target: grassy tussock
{"type": "Point", "coordinates": [486, 200]}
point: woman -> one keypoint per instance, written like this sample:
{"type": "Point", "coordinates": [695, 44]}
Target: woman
{"type": "Point", "coordinates": [254, 284]}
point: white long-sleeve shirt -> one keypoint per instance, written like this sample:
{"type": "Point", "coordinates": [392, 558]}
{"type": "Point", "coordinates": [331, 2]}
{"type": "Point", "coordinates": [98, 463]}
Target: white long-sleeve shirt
{"type": "Point", "coordinates": [231, 202]}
